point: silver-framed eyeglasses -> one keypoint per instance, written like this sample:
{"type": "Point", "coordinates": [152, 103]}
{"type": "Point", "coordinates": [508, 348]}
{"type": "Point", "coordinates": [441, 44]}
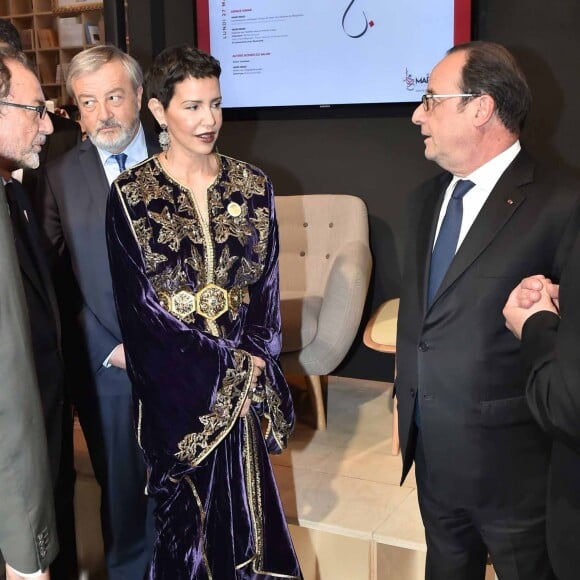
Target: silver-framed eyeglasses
{"type": "Point", "coordinates": [427, 98]}
{"type": "Point", "coordinates": [40, 109]}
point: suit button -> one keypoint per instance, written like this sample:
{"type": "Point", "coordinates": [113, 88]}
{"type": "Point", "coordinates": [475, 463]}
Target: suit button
{"type": "Point", "coordinates": [413, 393]}
{"type": "Point", "coordinates": [423, 346]}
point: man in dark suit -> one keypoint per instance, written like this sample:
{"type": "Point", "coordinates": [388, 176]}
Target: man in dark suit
{"type": "Point", "coordinates": [28, 537]}
{"type": "Point", "coordinates": [491, 218]}
{"type": "Point", "coordinates": [45, 327]}
{"type": "Point", "coordinates": [546, 317]}
{"type": "Point", "coordinates": [107, 87]}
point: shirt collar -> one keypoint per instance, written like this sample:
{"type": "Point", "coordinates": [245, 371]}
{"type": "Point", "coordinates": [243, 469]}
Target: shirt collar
{"type": "Point", "coordinates": [489, 173]}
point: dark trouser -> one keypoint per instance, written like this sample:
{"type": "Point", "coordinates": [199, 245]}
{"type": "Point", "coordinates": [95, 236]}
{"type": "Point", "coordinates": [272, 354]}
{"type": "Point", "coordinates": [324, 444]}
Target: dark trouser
{"type": "Point", "coordinates": [126, 512]}
{"type": "Point", "coordinates": [65, 565]}
{"type": "Point", "coordinates": [459, 538]}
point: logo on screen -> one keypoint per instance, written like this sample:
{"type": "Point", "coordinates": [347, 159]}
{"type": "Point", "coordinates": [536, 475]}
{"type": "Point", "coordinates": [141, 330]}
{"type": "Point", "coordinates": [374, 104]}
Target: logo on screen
{"type": "Point", "coordinates": [353, 25]}
{"type": "Point", "coordinates": [415, 83]}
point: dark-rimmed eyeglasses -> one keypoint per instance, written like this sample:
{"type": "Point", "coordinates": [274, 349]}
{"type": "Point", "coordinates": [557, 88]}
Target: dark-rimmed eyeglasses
{"type": "Point", "coordinates": [40, 109]}
{"type": "Point", "coordinates": [427, 98]}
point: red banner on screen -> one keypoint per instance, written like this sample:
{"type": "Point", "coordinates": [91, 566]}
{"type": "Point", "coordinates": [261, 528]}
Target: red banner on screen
{"type": "Point", "coordinates": [462, 24]}
{"type": "Point", "coordinates": [202, 16]}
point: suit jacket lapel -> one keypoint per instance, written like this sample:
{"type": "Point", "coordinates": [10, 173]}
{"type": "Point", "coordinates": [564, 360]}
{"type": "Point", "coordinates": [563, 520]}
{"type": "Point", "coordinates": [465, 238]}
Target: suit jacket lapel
{"type": "Point", "coordinates": [32, 259]}
{"type": "Point", "coordinates": [94, 174]}
{"type": "Point", "coordinates": [28, 262]}
{"type": "Point", "coordinates": [504, 200]}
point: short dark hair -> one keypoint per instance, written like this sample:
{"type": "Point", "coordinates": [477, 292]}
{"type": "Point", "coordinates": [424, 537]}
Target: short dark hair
{"type": "Point", "coordinates": [8, 53]}
{"type": "Point", "coordinates": [174, 65]}
{"type": "Point", "coordinates": [492, 70]}
{"type": "Point", "coordinates": [9, 35]}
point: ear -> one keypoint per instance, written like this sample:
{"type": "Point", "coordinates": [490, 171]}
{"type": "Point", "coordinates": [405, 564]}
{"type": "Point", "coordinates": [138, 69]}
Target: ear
{"type": "Point", "coordinates": [139, 96]}
{"type": "Point", "coordinates": [484, 109]}
{"type": "Point", "coordinates": [157, 110]}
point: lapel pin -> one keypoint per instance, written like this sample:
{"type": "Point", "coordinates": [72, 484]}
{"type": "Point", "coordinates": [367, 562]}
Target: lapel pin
{"type": "Point", "coordinates": [234, 209]}
{"type": "Point", "coordinates": [510, 201]}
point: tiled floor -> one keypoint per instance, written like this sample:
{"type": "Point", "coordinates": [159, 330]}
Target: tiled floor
{"type": "Point", "coordinates": [345, 478]}
{"type": "Point", "coordinates": [340, 490]}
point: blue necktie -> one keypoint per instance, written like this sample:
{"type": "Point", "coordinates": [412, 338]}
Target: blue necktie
{"type": "Point", "coordinates": [446, 243]}
{"type": "Point", "coordinates": [120, 158]}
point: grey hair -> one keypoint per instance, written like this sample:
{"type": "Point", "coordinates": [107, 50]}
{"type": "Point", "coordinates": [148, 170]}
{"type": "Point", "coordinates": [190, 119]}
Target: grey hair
{"type": "Point", "coordinates": [7, 53]}
{"type": "Point", "coordinates": [92, 59]}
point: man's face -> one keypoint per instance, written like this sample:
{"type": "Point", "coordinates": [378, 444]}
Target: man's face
{"type": "Point", "coordinates": [109, 106]}
{"type": "Point", "coordinates": [22, 132]}
{"type": "Point", "coordinates": [447, 126]}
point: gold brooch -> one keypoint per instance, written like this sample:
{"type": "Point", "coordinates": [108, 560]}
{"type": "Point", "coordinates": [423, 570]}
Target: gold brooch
{"type": "Point", "coordinates": [234, 209]}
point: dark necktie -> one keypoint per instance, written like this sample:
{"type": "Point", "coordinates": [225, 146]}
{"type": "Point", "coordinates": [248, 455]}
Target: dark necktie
{"type": "Point", "coordinates": [121, 159]}
{"type": "Point", "coordinates": [446, 243]}
{"type": "Point", "coordinates": [16, 216]}
{"type": "Point", "coordinates": [19, 222]}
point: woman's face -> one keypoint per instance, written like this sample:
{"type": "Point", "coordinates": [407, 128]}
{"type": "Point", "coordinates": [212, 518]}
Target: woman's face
{"type": "Point", "coordinates": [194, 115]}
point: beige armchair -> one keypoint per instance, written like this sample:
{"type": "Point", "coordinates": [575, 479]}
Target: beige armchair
{"type": "Point", "coordinates": [325, 267]}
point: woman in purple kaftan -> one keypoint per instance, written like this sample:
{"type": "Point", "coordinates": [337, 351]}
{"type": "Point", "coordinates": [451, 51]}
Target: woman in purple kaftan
{"type": "Point", "coordinates": [193, 247]}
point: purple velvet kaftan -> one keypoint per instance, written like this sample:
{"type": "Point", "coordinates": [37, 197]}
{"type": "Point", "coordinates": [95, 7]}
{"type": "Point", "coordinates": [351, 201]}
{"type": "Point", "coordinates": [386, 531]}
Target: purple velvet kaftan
{"type": "Point", "coordinates": [219, 514]}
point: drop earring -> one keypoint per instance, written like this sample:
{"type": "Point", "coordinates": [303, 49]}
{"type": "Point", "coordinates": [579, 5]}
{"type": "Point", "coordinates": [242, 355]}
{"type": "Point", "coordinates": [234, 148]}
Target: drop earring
{"type": "Point", "coordinates": [164, 139]}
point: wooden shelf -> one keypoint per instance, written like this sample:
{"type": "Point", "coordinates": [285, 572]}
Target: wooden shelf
{"type": "Point", "coordinates": [40, 28]}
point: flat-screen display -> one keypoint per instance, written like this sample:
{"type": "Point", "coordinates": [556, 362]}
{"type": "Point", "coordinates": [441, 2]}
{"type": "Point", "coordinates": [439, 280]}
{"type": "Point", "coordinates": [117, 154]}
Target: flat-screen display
{"type": "Point", "coordinates": [280, 53]}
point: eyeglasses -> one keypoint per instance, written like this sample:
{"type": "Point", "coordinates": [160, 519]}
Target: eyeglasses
{"type": "Point", "coordinates": [40, 109]}
{"type": "Point", "coordinates": [427, 98]}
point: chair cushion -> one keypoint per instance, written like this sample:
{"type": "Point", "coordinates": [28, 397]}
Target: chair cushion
{"type": "Point", "coordinates": [299, 320]}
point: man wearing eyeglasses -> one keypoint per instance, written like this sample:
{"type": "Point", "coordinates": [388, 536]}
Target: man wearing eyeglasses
{"type": "Point", "coordinates": [491, 218]}
{"type": "Point", "coordinates": [28, 539]}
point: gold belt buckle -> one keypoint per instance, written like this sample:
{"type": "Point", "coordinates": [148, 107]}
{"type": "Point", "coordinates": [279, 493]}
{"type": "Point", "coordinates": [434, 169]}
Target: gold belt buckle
{"type": "Point", "coordinates": [182, 304]}
{"type": "Point", "coordinates": [212, 301]}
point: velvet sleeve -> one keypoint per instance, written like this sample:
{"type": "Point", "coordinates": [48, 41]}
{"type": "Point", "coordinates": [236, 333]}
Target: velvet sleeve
{"type": "Point", "coordinates": [262, 337]}
{"type": "Point", "coordinates": [262, 328]}
{"type": "Point", "coordinates": [188, 385]}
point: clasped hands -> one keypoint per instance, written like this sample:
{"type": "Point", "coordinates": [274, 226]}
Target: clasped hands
{"type": "Point", "coordinates": [117, 359]}
{"type": "Point", "coordinates": [533, 294]}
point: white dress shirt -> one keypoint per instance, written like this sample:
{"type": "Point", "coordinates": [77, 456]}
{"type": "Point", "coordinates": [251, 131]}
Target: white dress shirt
{"type": "Point", "coordinates": [485, 178]}
{"type": "Point", "coordinates": [136, 152]}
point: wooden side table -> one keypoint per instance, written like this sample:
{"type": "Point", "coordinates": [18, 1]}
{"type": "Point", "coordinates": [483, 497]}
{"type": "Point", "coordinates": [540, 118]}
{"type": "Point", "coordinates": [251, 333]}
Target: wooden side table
{"type": "Point", "coordinates": [381, 334]}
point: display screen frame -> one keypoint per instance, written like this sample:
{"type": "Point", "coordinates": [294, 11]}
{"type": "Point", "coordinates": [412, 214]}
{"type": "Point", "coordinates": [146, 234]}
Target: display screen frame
{"type": "Point", "coordinates": [462, 32]}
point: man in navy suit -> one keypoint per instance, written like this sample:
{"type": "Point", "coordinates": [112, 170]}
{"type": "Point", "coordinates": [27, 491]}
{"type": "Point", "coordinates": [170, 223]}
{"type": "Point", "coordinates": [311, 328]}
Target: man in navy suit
{"type": "Point", "coordinates": [106, 84]}
{"type": "Point", "coordinates": [493, 217]}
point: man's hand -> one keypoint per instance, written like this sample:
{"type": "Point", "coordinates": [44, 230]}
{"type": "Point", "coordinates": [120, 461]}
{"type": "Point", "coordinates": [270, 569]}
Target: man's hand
{"type": "Point", "coordinates": [117, 358]}
{"type": "Point", "coordinates": [258, 368]}
{"type": "Point", "coordinates": [11, 574]}
{"type": "Point", "coordinates": [530, 291]}
{"type": "Point", "coordinates": [533, 294]}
